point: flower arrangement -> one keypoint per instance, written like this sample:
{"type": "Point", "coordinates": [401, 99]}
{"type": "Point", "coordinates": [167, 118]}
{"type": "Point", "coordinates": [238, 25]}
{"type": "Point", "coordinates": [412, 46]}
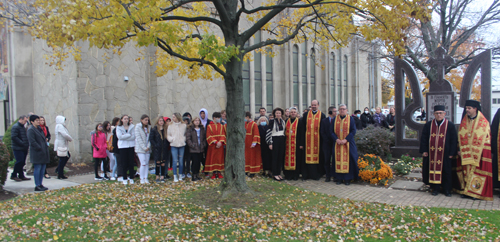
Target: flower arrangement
{"type": "Point", "coordinates": [374, 170]}
{"type": "Point", "coordinates": [406, 164]}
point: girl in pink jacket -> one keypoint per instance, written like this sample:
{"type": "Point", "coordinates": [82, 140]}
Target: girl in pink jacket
{"type": "Point", "coordinates": [99, 145]}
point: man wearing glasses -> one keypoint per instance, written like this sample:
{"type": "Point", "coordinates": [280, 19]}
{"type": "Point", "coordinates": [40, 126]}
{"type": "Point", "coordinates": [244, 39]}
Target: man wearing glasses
{"type": "Point", "coordinates": [438, 145]}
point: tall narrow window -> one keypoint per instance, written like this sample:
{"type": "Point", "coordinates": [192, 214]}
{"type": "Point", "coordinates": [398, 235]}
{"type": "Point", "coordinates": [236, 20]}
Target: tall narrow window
{"type": "Point", "coordinates": [313, 75]}
{"type": "Point", "coordinates": [296, 75]}
{"type": "Point", "coordinates": [269, 81]}
{"type": "Point", "coordinates": [339, 80]}
{"type": "Point", "coordinates": [332, 79]}
{"type": "Point", "coordinates": [304, 75]}
{"type": "Point", "coordinates": [346, 97]}
{"type": "Point", "coordinates": [258, 74]}
{"type": "Point", "coordinates": [246, 82]}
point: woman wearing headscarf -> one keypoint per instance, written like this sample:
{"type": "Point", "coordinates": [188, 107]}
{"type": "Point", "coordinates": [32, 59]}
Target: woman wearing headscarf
{"type": "Point", "coordinates": [61, 145]}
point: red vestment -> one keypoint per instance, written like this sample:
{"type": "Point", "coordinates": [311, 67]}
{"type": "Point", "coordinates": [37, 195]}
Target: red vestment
{"type": "Point", "coordinates": [474, 167]}
{"type": "Point", "coordinates": [312, 137]}
{"type": "Point", "coordinates": [253, 159]}
{"type": "Point", "coordinates": [215, 156]}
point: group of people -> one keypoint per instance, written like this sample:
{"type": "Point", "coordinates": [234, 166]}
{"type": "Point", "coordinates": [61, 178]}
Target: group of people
{"type": "Point", "coordinates": [181, 142]}
{"type": "Point", "coordinates": [306, 147]}
{"type": "Point", "coordinates": [30, 134]}
{"type": "Point", "coordinates": [465, 161]}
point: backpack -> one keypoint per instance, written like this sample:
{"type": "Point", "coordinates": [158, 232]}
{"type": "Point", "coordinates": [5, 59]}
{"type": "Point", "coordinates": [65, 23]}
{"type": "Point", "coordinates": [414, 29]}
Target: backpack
{"type": "Point", "coordinates": [109, 142]}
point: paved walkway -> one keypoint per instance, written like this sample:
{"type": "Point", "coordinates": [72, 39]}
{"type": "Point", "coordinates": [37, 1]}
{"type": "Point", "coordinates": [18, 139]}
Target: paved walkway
{"type": "Point", "coordinates": [396, 197]}
{"type": "Point", "coordinates": [24, 187]}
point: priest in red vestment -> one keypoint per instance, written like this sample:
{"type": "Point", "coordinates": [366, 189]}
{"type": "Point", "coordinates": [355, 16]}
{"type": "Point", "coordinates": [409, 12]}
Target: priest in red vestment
{"type": "Point", "coordinates": [344, 150]}
{"type": "Point", "coordinates": [310, 142]}
{"type": "Point", "coordinates": [438, 145]}
{"type": "Point", "coordinates": [216, 138]}
{"type": "Point", "coordinates": [253, 160]}
{"type": "Point", "coordinates": [474, 168]}
{"type": "Point", "coordinates": [293, 154]}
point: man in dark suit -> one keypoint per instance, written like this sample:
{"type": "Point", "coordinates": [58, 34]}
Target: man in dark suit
{"type": "Point", "coordinates": [328, 141]}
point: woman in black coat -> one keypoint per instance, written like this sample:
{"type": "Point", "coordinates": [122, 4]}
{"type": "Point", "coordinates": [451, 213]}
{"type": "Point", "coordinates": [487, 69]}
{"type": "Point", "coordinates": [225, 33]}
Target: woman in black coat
{"type": "Point", "coordinates": [46, 132]}
{"type": "Point", "coordinates": [265, 152]}
{"type": "Point", "coordinates": [366, 118]}
{"type": "Point", "coordinates": [39, 151]}
{"type": "Point", "coordinates": [161, 148]}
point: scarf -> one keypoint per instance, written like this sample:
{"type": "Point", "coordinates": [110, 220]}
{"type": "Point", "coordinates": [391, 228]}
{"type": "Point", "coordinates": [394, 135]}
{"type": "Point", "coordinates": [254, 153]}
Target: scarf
{"type": "Point", "coordinates": [44, 129]}
{"type": "Point", "coordinates": [204, 121]}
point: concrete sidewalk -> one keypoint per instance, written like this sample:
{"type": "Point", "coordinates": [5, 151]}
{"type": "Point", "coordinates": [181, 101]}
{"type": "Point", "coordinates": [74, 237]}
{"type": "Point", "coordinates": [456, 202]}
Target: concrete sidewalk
{"type": "Point", "coordinates": [24, 187]}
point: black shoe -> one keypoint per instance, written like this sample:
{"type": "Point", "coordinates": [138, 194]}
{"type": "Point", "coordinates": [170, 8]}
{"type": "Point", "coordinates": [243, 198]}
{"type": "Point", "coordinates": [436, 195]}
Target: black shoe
{"type": "Point", "coordinates": [43, 187]}
{"type": "Point", "coordinates": [16, 179]}
{"type": "Point", "coordinates": [474, 199]}
{"type": "Point", "coordinates": [46, 176]}
{"type": "Point", "coordinates": [251, 175]}
{"type": "Point", "coordinates": [435, 193]}
{"type": "Point", "coordinates": [39, 189]}
{"type": "Point", "coordinates": [347, 183]}
{"type": "Point", "coordinates": [328, 179]}
{"type": "Point", "coordinates": [463, 196]}
{"type": "Point", "coordinates": [448, 194]}
{"type": "Point", "coordinates": [25, 178]}
{"type": "Point", "coordinates": [106, 178]}
{"type": "Point", "coordinates": [339, 183]}
{"type": "Point", "coordinates": [62, 177]}
{"type": "Point", "coordinates": [296, 179]}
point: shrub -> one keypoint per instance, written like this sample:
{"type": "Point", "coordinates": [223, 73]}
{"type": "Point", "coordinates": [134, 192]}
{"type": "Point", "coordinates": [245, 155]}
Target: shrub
{"type": "Point", "coordinates": [377, 141]}
{"type": "Point", "coordinates": [4, 163]}
{"type": "Point", "coordinates": [7, 140]}
{"type": "Point", "coordinates": [406, 164]}
{"type": "Point", "coordinates": [374, 170]}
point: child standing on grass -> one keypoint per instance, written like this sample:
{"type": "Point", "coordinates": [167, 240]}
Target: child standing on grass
{"type": "Point", "coordinates": [100, 146]}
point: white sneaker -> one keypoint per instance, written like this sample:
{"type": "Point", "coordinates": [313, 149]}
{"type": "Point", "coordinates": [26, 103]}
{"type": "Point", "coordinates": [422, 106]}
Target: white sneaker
{"type": "Point", "coordinates": [143, 182]}
{"type": "Point", "coordinates": [112, 178]}
{"type": "Point", "coordinates": [146, 181]}
{"type": "Point", "coordinates": [188, 175]}
{"type": "Point", "coordinates": [175, 178]}
{"type": "Point", "coordinates": [125, 182]}
{"type": "Point", "coordinates": [130, 181]}
{"type": "Point", "coordinates": [120, 179]}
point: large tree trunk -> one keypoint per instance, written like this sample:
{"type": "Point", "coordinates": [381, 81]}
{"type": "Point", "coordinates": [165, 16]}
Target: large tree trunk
{"type": "Point", "coordinates": [234, 180]}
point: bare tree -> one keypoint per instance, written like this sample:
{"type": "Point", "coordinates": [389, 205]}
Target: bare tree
{"type": "Point", "coordinates": [459, 22]}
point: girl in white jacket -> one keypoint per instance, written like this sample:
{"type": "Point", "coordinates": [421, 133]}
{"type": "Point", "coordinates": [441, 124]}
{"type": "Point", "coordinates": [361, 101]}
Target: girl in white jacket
{"type": "Point", "coordinates": [126, 143]}
{"type": "Point", "coordinates": [143, 146]}
{"type": "Point", "coordinates": [176, 136]}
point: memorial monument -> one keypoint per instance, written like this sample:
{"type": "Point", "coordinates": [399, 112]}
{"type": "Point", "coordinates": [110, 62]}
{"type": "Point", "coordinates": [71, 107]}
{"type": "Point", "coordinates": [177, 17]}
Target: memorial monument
{"type": "Point", "coordinates": [440, 93]}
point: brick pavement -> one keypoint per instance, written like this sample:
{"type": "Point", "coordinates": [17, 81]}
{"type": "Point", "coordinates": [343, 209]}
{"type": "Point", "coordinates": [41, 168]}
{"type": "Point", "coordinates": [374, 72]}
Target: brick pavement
{"type": "Point", "coordinates": [396, 197]}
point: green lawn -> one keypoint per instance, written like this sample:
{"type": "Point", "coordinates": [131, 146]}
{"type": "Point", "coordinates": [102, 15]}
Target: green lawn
{"type": "Point", "coordinates": [110, 211]}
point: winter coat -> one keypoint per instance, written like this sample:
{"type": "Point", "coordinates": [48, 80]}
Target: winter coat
{"type": "Point", "coordinates": [126, 138]}
{"type": "Point", "coordinates": [62, 134]}
{"type": "Point", "coordinates": [192, 140]}
{"type": "Point", "coordinates": [160, 147]}
{"type": "Point", "coordinates": [99, 145]}
{"type": "Point", "coordinates": [382, 123]}
{"type": "Point", "coordinates": [176, 134]}
{"type": "Point", "coordinates": [115, 142]}
{"type": "Point", "coordinates": [366, 119]}
{"type": "Point", "coordinates": [142, 139]}
{"type": "Point", "coordinates": [39, 151]}
{"type": "Point", "coordinates": [19, 137]}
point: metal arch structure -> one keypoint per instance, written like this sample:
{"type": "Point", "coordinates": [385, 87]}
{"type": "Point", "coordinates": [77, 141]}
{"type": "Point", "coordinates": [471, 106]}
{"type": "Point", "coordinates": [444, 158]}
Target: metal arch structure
{"type": "Point", "coordinates": [404, 114]}
{"type": "Point", "coordinates": [482, 61]}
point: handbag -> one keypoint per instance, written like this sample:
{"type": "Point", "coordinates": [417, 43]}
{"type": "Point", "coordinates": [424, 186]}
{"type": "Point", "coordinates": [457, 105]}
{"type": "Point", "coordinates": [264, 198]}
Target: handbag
{"type": "Point", "coordinates": [62, 151]}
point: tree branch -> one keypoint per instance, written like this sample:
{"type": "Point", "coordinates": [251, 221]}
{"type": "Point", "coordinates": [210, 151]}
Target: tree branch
{"type": "Point", "coordinates": [193, 19]}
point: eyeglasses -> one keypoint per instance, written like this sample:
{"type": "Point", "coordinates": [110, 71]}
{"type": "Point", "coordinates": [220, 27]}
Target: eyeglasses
{"type": "Point", "coordinates": [342, 109]}
{"type": "Point", "coordinates": [440, 113]}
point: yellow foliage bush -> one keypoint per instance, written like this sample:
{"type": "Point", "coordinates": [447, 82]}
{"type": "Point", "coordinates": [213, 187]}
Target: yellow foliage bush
{"type": "Point", "coordinates": [373, 169]}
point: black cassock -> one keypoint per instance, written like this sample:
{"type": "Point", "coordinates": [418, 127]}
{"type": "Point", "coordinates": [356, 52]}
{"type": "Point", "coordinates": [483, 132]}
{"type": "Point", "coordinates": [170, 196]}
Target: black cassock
{"type": "Point", "coordinates": [311, 171]}
{"type": "Point", "coordinates": [450, 149]}
{"type": "Point", "coordinates": [494, 148]}
{"type": "Point", "coordinates": [265, 152]}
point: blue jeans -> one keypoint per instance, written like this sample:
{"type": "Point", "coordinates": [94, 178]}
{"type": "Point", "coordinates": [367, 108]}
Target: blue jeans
{"type": "Point", "coordinates": [177, 156]}
{"type": "Point", "coordinates": [38, 173]}
{"type": "Point", "coordinates": [113, 169]}
{"type": "Point", "coordinates": [20, 156]}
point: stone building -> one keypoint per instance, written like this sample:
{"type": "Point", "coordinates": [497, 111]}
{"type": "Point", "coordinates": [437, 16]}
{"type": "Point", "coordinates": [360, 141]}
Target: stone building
{"type": "Point", "coordinates": [94, 89]}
